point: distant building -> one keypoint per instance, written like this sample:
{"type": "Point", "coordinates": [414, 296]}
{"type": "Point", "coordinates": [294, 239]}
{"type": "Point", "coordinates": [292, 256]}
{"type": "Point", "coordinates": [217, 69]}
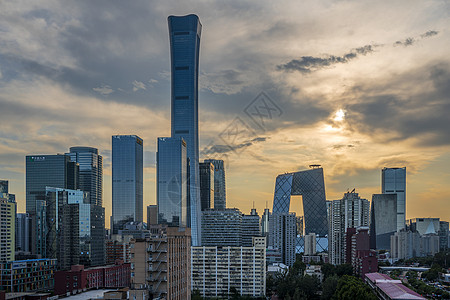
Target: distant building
{"type": "Point", "coordinates": [406, 244]}
{"type": "Point", "coordinates": [350, 212]}
{"type": "Point", "coordinates": [27, 275]}
{"type": "Point", "coordinates": [78, 279]}
{"type": "Point", "coordinates": [152, 215]}
{"type": "Point", "coordinates": [117, 250]}
{"type": "Point", "coordinates": [443, 235]}
{"type": "Point", "coordinates": [171, 178]}
{"type": "Point", "coordinates": [222, 227]}
{"type": "Point", "coordinates": [387, 288]}
{"type": "Point", "coordinates": [363, 259]}
{"type": "Point", "coordinates": [424, 225]}
{"type": "Point", "coordinates": [265, 223]}
{"type": "Point", "coordinates": [23, 232]}
{"type": "Point", "coordinates": [282, 236]}
{"type": "Point", "coordinates": [136, 230]}
{"type": "Point", "coordinates": [383, 220]}
{"type": "Point", "coordinates": [161, 263]}
{"type": "Point", "coordinates": [8, 223]}
{"type": "Point", "coordinates": [393, 181]}
{"type": "Point", "coordinates": [4, 186]}
{"type": "Point", "coordinates": [127, 180]}
{"type": "Point", "coordinates": [206, 170]}
{"type": "Point", "coordinates": [314, 270]}
{"type": "Point", "coordinates": [216, 270]}
{"type": "Point", "coordinates": [250, 228]}
{"type": "Point", "coordinates": [310, 244]}
{"type": "Point", "coordinates": [220, 196]}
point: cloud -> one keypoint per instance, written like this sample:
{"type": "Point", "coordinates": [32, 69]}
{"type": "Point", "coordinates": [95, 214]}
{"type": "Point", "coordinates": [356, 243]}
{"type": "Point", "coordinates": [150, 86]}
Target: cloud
{"type": "Point", "coordinates": [429, 33]}
{"type": "Point", "coordinates": [138, 85]}
{"type": "Point", "coordinates": [308, 64]}
{"type": "Point", "coordinates": [222, 149]}
{"type": "Point", "coordinates": [406, 42]}
{"type": "Point", "coordinates": [223, 82]}
{"type": "Point", "coordinates": [104, 90]}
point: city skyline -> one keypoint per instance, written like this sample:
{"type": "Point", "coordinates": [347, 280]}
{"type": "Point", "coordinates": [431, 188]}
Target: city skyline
{"type": "Point", "coordinates": [354, 99]}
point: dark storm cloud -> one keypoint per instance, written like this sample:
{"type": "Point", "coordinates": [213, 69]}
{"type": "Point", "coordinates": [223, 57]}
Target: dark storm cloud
{"type": "Point", "coordinates": [422, 116]}
{"type": "Point", "coordinates": [308, 64]}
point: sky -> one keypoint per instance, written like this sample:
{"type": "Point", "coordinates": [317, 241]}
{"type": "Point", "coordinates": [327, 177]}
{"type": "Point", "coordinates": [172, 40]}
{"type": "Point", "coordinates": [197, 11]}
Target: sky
{"type": "Point", "coordinates": [354, 86]}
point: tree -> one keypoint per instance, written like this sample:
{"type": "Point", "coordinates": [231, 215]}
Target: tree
{"type": "Point", "coordinates": [329, 287]}
{"type": "Point", "coordinates": [350, 288]}
{"type": "Point", "coordinates": [309, 286]}
{"type": "Point", "coordinates": [328, 270]}
{"type": "Point", "coordinates": [344, 269]}
{"type": "Point", "coordinates": [196, 295]}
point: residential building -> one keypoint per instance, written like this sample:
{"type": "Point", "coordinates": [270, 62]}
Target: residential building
{"type": "Point", "coordinates": [117, 250]}
{"type": "Point", "coordinates": [152, 215]}
{"type": "Point", "coordinates": [393, 181]}
{"type": "Point", "coordinates": [250, 228]}
{"type": "Point", "coordinates": [78, 279]}
{"type": "Point", "coordinates": [265, 223]}
{"type": "Point", "coordinates": [383, 223]}
{"type": "Point", "coordinates": [171, 178]}
{"type": "Point", "coordinates": [363, 259]}
{"type": "Point", "coordinates": [206, 170]}
{"type": "Point", "coordinates": [8, 223]}
{"type": "Point", "coordinates": [127, 180]}
{"type": "Point", "coordinates": [310, 184]}
{"type": "Point", "coordinates": [310, 244]}
{"type": "Point", "coordinates": [314, 270]}
{"type": "Point", "coordinates": [27, 275]}
{"type": "Point", "coordinates": [282, 236]}
{"type": "Point", "coordinates": [220, 195]}
{"type": "Point", "coordinates": [222, 227]}
{"type": "Point", "coordinates": [217, 270]}
{"type": "Point", "coordinates": [406, 244]}
{"type": "Point", "coordinates": [161, 263]}
{"type": "Point", "coordinates": [184, 36]}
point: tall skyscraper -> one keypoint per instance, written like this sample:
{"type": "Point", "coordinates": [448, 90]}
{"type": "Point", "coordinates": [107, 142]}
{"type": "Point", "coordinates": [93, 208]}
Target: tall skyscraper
{"type": "Point", "coordinates": [91, 172]}
{"type": "Point", "coordinates": [184, 34]}
{"type": "Point", "coordinates": [220, 196]}
{"type": "Point", "coordinates": [282, 234]}
{"type": "Point", "coordinates": [8, 221]}
{"type": "Point", "coordinates": [383, 220]}
{"type": "Point", "coordinates": [393, 181]}
{"type": "Point", "coordinates": [127, 180]}
{"type": "Point", "coordinates": [23, 232]}
{"type": "Point", "coordinates": [172, 182]}
{"type": "Point", "coordinates": [206, 185]}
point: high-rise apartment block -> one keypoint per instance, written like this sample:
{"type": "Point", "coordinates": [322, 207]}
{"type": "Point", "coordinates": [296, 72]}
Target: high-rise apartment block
{"type": "Point", "coordinates": [23, 232]}
{"type": "Point", "coordinates": [282, 236]}
{"type": "Point", "coordinates": [250, 228]}
{"type": "Point", "coordinates": [127, 180]}
{"type": "Point", "coordinates": [161, 263]}
{"type": "Point", "coordinates": [310, 244]}
{"type": "Point", "coordinates": [184, 35]}
{"type": "Point", "coordinates": [383, 220]}
{"type": "Point", "coordinates": [217, 270]}
{"type": "Point", "coordinates": [349, 212]}
{"type": "Point", "coordinates": [363, 259]}
{"type": "Point", "coordinates": [220, 196]}
{"type": "Point", "coordinates": [152, 215]}
{"type": "Point", "coordinates": [172, 182]}
{"type": "Point", "coordinates": [406, 244]}
{"type": "Point", "coordinates": [393, 181]}
{"type": "Point", "coordinates": [206, 185]}
{"type": "Point", "coordinates": [8, 223]}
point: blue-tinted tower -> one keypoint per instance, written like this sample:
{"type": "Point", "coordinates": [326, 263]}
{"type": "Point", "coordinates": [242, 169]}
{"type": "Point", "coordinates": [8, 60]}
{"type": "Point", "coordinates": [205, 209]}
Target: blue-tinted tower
{"type": "Point", "coordinates": [127, 180]}
{"type": "Point", "coordinates": [393, 181]}
{"type": "Point", "coordinates": [184, 34]}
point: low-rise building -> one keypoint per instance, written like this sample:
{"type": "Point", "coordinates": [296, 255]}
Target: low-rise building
{"type": "Point", "coordinates": [314, 270]}
{"type": "Point", "coordinates": [386, 288]}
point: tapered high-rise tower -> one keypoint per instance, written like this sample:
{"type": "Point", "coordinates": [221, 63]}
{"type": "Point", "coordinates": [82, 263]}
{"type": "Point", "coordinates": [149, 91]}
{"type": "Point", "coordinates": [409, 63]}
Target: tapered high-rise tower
{"type": "Point", "coordinates": [184, 34]}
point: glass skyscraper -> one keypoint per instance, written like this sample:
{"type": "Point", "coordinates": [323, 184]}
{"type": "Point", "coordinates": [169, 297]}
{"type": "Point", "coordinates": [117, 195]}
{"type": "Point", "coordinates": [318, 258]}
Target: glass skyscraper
{"type": "Point", "coordinates": [184, 34]}
{"type": "Point", "coordinates": [206, 170]}
{"type": "Point", "coordinates": [172, 179]}
{"type": "Point", "coordinates": [220, 197]}
{"type": "Point", "coordinates": [127, 180]}
{"type": "Point", "coordinates": [393, 181]}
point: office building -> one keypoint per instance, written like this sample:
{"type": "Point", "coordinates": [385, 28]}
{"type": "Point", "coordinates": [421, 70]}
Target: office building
{"type": "Point", "coordinates": [23, 232]}
{"type": "Point", "coordinates": [8, 223]}
{"type": "Point", "coordinates": [310, 244]}
{"type": "Point", "coordinates": [383, 224]}
{"type": "Point", "coordinates": [90, 172]}
{"type": "Point", "coordinates": [250, 228]}
{"type": "Point", "coordinates": [350, 212]}
{"type": "Point", "coordinates": [161, 263]}
{"type": "Point", "coordinates": [152, 215]}
{"type": "Point", "coordinates": [217, 270]}
{"type": "Point", "coordinates": [443, 235]}
{"type": "Point", "coordinates": [265, 223]}
{"type": "Point", "coordinates": [206, 185]}
{"type": "Point", "coordinates": [171, 178]}
{"type": "Point", "coordinates": [220, 195]}
{"type": "Point", "coordinates": [79, 279]}
{"type": "Point", "coordinates": [310, 184]}
{"type": "Point", "coordinates": [424, 225]}
{"type": "Point", "coordinates": [393, 181]}
{"type": "Point", "coordinates": [184, 35]}
{"type": "Point", "coordinates": [282, 236]}
{"type": "Point", "coordinates": [127, 180]}
{"type": "Point", "coordinates": [222, 227]}
{"type": "Point", "coordinates": [27, 275]}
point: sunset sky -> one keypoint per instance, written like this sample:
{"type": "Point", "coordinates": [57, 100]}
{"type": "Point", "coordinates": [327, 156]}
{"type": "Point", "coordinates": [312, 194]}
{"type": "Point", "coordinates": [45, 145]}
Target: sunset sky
{"type": "Point", "coordinates": [359, 85]}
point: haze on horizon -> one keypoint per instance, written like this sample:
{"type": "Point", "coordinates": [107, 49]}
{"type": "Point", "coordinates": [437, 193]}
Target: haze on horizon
{"type": "Point", "coordinates": [359, 86]}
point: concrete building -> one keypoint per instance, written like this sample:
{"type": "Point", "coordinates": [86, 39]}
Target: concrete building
{"type": "Point", "coordinates": [424, 225]}
{"type": "Point", "coordinates": [350, 212]}
{"type": "Point", "coordinates": [23, 232]}
{"type": "Point", "coordinates": [206, 170]}
{"type": "Point", "coordinates": [443, 235]}
{"type": "Point", "coordinates": [282, 228]}
{"type": "Point", "coordinates": [265, 223]}
{"type": "Point", "coordinates": [310, 244]}
{"type": "Point", "coordinates": [161, 263]}
{"type": "Point", "coordinates": [250, 228]}
{"type": "Point", "coordinates": [363, 259]}
{"type": "Point", "coordinates": [407, 244]}
{"type": "Point", "coordinates": [216, 270]}
{"type": "Point", "coordinates": [222, 227]}
{"type": "Point", "coordinates": [383, 220]}
{"type": "Point", "coordinates": [117, 250]}
{"type": "Point", "coordinates": [152, 215]}
{"type": "Point", "coordinates": [314, 270]}
{"type": "Point", "coordinates": [27, 275]}
{"type": "Point", "coordinates": [220, 195]}
{"type": "Point", "coordinates": [8, 208]}
{"type": "Point", "coordinates": [393, 181]}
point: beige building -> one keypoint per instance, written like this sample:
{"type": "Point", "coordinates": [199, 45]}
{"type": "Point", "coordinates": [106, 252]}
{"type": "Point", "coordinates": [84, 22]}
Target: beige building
{"type": "Point", "coordinates": [161, 263]}
{"type": "Point", "coordinates": [216, 270]}
{"type": "Point", "coordinates": [7, 232]}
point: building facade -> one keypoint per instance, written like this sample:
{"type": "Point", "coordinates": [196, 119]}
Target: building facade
{"type": "Point", "coordinates": [282, 236]}
{"type": "Point", "coordinates": [127, 180]}
{"type": "Point", "coordinates": [23, 232]}
{"type": "Point", "coordinates": [171, 178]}
{"type": "Point", "coordinates": [393, 181]}
{"type": "Point", "coordinates": [310, 244]}
{"type": "Point", "coordinates": [184, 35]}
{"type": "Point", "coordinates": [216, 270]}
{"type": "Point", "coordinates": [222, 227]}
{"type": "Point", "coordinates": [7, 232]}
{"type": "Point", "coordinates": [152, 215]}
{"type": "Point", "coordinates": [383, 220]}
{"type": "Point", "coordinates": [206, 185]}
{"type": "Point", "coordinates": [406, 244]}
{"type": "Point", "coordinates": [220, 195]}
{"type": "Point", "coordinates": [250, 228]}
